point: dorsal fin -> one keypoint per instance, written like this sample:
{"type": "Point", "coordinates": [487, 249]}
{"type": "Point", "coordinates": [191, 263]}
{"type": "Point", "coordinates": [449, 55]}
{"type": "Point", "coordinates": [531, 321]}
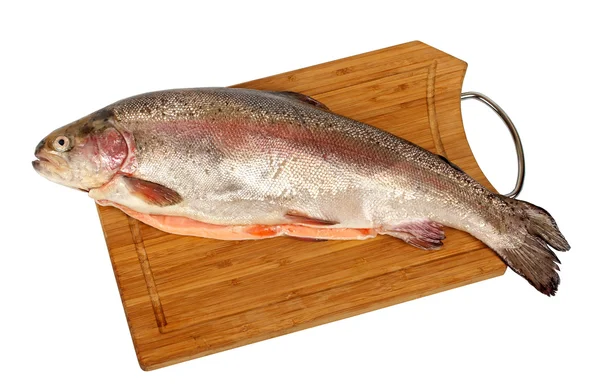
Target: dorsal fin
{"type": "Point", "coordinates": [303, 98]}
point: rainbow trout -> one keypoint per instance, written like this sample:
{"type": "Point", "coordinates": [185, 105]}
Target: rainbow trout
{"type": "Point", "coordinates": [230, 163]}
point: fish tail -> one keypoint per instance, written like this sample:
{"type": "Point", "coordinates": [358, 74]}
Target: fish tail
{"type": "Point", "coordinates": [524, 245]}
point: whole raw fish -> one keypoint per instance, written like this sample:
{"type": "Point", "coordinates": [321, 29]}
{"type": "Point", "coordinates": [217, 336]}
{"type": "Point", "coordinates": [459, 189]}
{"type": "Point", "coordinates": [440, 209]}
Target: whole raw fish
{"type": "Point", "coordinates": [231, 163]}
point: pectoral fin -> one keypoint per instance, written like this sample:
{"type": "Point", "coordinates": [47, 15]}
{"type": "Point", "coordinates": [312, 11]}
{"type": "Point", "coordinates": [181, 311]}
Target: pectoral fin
{"type": "Point", "coordinates": [152, 193]}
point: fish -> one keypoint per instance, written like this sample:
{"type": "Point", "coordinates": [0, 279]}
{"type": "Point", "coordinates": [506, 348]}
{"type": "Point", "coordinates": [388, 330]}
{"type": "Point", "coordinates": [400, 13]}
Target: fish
{"type": "Point", "coordinates": [242, 164]}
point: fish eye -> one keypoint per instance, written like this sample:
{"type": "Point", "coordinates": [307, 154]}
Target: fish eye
{"type": "Point", "coordinates": [61, 144]}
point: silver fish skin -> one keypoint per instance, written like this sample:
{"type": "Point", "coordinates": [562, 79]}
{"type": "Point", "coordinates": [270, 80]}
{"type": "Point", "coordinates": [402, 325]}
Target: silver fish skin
{"type": "Point", "coordinates": [245, 158]}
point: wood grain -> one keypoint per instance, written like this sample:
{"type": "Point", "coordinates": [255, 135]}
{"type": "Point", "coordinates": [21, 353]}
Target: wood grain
{"type": "Point", "coordinates": [188, 297]}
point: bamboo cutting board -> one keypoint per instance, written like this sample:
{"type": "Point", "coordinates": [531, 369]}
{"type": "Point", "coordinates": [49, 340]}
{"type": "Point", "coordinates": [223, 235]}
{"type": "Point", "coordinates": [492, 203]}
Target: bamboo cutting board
{"type": "Point", "coordinates": [187, 297]}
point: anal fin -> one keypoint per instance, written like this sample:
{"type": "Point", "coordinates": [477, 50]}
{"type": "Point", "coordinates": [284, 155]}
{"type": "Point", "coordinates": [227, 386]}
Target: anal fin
{"type": "Point", "coordinates": [422, 233]}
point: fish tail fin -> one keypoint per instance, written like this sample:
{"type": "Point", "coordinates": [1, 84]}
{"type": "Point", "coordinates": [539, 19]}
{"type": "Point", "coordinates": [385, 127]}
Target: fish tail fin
{"type": "Point", "coordinates": [529, 231]}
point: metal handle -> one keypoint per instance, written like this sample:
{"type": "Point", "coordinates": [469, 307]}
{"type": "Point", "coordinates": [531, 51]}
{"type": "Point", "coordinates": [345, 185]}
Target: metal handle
{"type": "Point", "coordinates": [513, 131]}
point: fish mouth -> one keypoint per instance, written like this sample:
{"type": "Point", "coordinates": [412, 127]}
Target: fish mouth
{"type": "Point", "coordinates": [43, 158]}
{"type": "Point", "coordinates": [48, 166]}
{"type": "Point", "coordinates": [41, 162]}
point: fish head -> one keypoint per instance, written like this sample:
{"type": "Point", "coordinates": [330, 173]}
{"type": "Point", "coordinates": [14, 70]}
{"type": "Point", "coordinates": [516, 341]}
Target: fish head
{"type": "Point", "coordinates": [85, 154]}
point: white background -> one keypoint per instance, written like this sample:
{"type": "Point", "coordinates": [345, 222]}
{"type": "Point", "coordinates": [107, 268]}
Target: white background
{"type": "Point", "coordinates": [61, 319]}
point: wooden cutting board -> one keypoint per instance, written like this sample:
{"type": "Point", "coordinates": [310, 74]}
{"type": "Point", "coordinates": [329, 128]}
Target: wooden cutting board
{"type": "Point", "coordinates": [188, 297]}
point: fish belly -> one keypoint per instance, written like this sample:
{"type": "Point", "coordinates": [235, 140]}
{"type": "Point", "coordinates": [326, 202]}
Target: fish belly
{"type": "Point", "coordinates": [189, 227]}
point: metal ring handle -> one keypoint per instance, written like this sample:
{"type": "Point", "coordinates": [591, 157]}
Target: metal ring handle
{"type": "Point", "coordinates": [513, 131]}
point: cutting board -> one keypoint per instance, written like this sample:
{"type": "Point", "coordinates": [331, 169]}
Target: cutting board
{"type": "Point", "coordinates": [187, 297]}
